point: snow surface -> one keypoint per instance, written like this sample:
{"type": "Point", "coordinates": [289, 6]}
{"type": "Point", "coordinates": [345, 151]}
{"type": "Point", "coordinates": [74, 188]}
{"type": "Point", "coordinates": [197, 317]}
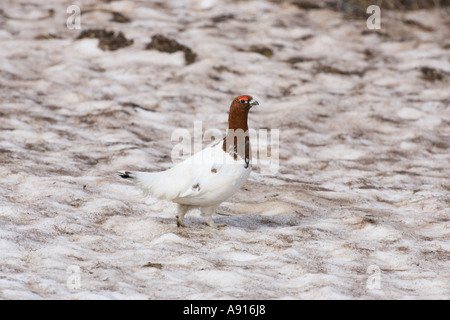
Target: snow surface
{"type": "Point", "coordinates": [363, 180]}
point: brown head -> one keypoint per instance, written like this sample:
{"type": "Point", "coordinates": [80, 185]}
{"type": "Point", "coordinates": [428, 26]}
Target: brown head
{"type": "Point", "coordinates": [237, 119]}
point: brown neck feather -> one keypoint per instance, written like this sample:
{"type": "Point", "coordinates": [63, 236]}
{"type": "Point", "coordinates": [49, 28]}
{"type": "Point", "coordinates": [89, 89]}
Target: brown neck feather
{"type": "Point", "coordinates": [237, 123]}
{"type": "Point", "coordinates": [237, 119]}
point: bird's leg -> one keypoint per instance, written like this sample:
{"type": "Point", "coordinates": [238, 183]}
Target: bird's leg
{"type": "Point", "coordinates": [207, 214]}
{"type": "Point", "coordinates": [182, 209]}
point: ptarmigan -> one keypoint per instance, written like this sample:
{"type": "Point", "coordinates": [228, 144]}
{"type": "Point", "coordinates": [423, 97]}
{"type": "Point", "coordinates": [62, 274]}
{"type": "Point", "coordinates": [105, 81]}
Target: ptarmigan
{"type": "Point", "coordinates": [210, 176]}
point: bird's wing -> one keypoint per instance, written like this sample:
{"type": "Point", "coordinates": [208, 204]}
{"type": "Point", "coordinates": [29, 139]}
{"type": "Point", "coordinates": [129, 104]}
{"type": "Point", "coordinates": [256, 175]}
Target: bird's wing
{"type": "Point", "coordinates": [213, 176]}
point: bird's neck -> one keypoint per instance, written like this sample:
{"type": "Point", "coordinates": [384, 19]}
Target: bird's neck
{"type": "Point", "coordinates": [238, 120]}
{"type": "Point", "coordinates": [237, 141]}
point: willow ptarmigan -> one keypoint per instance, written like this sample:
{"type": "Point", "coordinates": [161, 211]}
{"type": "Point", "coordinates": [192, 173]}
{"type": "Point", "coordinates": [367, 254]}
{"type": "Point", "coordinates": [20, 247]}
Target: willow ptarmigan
{"type": "Point", "coordinates": [210, 176]}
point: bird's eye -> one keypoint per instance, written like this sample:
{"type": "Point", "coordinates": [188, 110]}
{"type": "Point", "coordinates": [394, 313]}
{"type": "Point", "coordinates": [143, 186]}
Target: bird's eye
{"type": "Point", "coordinates": [242, 101]}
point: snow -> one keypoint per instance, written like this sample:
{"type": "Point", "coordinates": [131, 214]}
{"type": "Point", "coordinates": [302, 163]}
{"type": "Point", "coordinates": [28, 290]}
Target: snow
{"type": "Point", "coordinates": [364, 162]}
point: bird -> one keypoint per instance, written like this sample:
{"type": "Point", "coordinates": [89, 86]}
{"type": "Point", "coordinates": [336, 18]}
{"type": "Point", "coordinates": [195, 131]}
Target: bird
{"type": "Point", "coordinates": [209, 177]}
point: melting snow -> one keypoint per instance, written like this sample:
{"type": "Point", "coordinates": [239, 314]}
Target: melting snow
{"type": "Point", "coordinates": [363, 180]}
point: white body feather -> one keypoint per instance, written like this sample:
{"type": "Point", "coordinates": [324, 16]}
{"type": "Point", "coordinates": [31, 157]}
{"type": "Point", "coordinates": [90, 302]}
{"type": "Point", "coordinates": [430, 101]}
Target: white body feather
{"type": "Point", "coordinates": [205, 179]}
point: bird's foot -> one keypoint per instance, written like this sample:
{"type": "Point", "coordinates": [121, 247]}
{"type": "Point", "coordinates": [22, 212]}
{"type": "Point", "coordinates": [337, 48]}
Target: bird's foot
{"type": "Point", "coordinates": [213, 225]}
{"type": "Point", "coordinates": [180, 222]}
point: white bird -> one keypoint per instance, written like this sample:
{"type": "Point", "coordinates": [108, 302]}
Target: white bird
{"type": "Point", "coordinates": [209, 177]}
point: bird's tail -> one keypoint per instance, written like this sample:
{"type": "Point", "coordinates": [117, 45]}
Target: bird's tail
{"type": "Point", "coordinates": [146, 180]}
{"type": "Point", "coordinates": [153, 183]}
{"type": "Point", "coordinates": [127, 174]}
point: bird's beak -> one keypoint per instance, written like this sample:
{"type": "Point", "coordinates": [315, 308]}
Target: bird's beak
{"type": "Point", "coordinates": [253, 102]}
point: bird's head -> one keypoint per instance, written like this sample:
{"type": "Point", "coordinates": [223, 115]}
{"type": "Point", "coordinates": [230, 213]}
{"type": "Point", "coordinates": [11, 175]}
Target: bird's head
{"type": "Point", "coordinates": [237, 118]}
{"type": "Point", "coordinates": [243, 103]}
